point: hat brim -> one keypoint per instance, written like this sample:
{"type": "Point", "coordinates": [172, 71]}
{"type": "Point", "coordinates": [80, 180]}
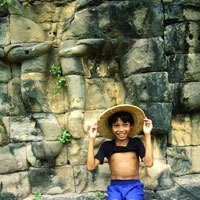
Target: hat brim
{"type": "Point", "coordinates": [137, 114]}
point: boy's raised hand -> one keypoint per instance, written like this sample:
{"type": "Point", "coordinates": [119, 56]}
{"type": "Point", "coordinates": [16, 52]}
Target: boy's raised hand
{"type": "Point", "coordinates": [147, 126]}
{"type": "Point", "coordinates": [93, 131]}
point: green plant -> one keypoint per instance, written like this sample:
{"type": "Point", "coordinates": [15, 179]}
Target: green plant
{"type": "Point", "coordinates": [66, 137]}
{"type": "Point", "coordinates": [2, 3]}
{"type": "Point", "coordinates": [61, 81]}
{"type": "Point", "coordinates": [37, 196]}
{"type": "Point", "coordinates": [97, 195]}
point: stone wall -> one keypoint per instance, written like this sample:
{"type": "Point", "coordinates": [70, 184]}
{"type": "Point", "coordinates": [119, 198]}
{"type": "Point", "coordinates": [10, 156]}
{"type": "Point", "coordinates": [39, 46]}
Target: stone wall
{"type": "Point", "coordinates": [143, 52]}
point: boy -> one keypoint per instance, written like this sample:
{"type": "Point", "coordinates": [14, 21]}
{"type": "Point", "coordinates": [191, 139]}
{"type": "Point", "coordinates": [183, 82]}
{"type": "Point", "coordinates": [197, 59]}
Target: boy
{"type": "Point", "coordinates": [121, 123]}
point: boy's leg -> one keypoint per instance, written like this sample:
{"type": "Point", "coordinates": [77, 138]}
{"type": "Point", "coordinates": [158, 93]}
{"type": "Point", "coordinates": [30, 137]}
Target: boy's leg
{"type": "Point", "coordinates": [135, 191]}
{"type": "Point", "coordinates": [113, 192]}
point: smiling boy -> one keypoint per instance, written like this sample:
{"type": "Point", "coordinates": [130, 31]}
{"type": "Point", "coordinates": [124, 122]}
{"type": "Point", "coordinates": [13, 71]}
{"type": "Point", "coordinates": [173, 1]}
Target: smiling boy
{"type": "Point", "coordinates": [120, 124]}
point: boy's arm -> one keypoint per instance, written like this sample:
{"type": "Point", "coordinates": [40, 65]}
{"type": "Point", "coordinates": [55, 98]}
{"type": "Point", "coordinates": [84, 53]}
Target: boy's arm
{"type": "Point", "coordinates": [147, 128]}
{"type": "Point", "coordinates": [92, 162]}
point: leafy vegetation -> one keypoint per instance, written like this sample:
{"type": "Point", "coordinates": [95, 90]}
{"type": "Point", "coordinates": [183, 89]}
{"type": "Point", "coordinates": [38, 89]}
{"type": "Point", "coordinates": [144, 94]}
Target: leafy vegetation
{"type": "Point", "coordinates": [37, 196]}
{"type": "Point", "coordinates": [98, 195]}
{"type": "Point", "coordinates": [66, 137]}
{"type": "Point", "coordinates": [2, 3]}
{"type": "Point", "coordinates": [61, 81]}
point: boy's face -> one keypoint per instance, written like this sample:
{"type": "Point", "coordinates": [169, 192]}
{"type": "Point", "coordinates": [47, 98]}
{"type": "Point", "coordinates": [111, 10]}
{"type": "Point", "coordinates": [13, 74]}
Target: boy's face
{"type": "Point", "coordinates": [121, 129]}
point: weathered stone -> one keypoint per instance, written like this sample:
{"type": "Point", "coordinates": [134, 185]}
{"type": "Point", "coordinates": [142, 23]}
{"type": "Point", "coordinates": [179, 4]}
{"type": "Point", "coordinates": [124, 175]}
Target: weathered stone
{"type": "Point", "coordinates": [16, 70]}
{"type": "Point", "coordinates": [43, 154]}
{"type": "Point", "coordinates": [173, 11]}
{"type": "Point", "coordinates": [23, 30]}
{"type": "Point", "coordinates": [62, 158]}
{"type": "Point", "coordinates": [14, 93]}
{"type": "Point", "coordinates": [108, 92]}
{"type": "Point", "coordinates": [157, 177]}
{"type": "Point", "coordinates": [190, 183]}
{"type": "Point", "coordinates": [71, 66]}
{"type": "Point", "coordinates": [183, 160]}
{"type": "Point", "coordinates": [3, 136]}
{"type": "Point", "coordinates": [52, 181]}
{"type": "Point", "coordinates": [4, 31]}
{"type": "Point", "coordinates": [75, 124]}
{"type": "Point", "coordinates": [21, 52]}
{"type": "Point", "coordinates": [2, 53]}
{"type": "Point", "coordinates": [146, 55]}
{"type": "Point", "coordinates": [181, 133]}
{"type": "Point", "coordinates": [24, 129]}
{"type": "Point", "coordinates": [185, 130]}
{"type": "Point", "coordinates": [49, 125]}
{"type": "Point", "coordinates": [150, 87]}
{"type": "Point", "coordinates": [181, 10]}
{"type": "Point", "coordinates": [84, 47]}
{"type": "Point", "coordinates": [96, 180]}
{"type": "Point", "coordinates": [15, 186]}
{"type": "Point", "coordinates": [4, 103]}
{"type": "Point", "coordinates": [176, 67]}
{"type": "Point", "coordinates": [33, 88]}
{"type": "Point", "coordinates": [38, 64]}
{"type": "Point", "coordinates": [90, 118]}
{"type": "Point", "coordinates": [187, 188]}
{"type": "Point", "coordinates": [175, 193]}
{"type": "Point", "coordinates": [160, 114]}
{"type": "Point", "coordinates": [77, 152]}
{"type": "Point", "coordinates": [159, 144]}
{"type": "Point", "coordinates": [182, 38]}
{"type": "Point", "coordinates": [76, 91]}
{"type": "Point", "coordinates": [190, 96]}
{"type": "Point", "coordinates": [57, 99]}
{"type": "Point", "coordinates": [102, 24]}
{"type": "Point", "coordinates": [13, 158]}
{"type": "Point", "coordinates": [5, 72]}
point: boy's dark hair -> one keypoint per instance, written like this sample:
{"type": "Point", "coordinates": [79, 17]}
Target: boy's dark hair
{"type": "Point", "coordinates": [124, 116]}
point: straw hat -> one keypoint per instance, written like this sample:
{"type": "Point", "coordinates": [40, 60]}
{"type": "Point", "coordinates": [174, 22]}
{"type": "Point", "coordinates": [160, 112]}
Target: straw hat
{"type": "Point", "coordinates": [137, 114]}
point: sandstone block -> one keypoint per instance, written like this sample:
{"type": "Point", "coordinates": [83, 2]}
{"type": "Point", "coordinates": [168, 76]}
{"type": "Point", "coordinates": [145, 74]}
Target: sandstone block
{"type": "Point", "coordinates": [24, 128]}
{"type": "Point", "coordinates": [4, 31]}
{"type": "Point", "coordinates": [49, 125]}
{"type": "Point", "coordinates": [75, 124]}
{"type": "Point", "coordinates": [13, 158]}
{"type": "Point", "coordinates": [183, 160]}
{"type": "Point", "coordinates": [57, 99]}
{"type": "Point", "coordinates": [183, 40]}
{"type": "Point", "coordinates": [190, 96]}
{"type": "Point", "coordinates": [108, 92]}
{"type": "Point", "coordinates": [14, 92]}
{"type": "Point", "coordinates": [4, 102]}
{"type": "Point", "coordinates": [15, 186]}
{"type": "Point", "coordinates": [87, 181]}
{"type": "Point", "coordinates": [160, 114]}
{"type": "Point", "coordinates": [147, 20]}
{"type": "Point", "coordinates": [24, 30]}
{"type": "Point", "coordinates": [76, 91]}
{"type": "Point", "coordinates": [33, 88]}
{"type": "Point", "coordinates": [148, 87]}
{"type": "Point", "coordinates": [52, 181]}
{"type": "Point", "coordinates": [145, 55]}
{"type": "Point", "coordinates": [5, 72]}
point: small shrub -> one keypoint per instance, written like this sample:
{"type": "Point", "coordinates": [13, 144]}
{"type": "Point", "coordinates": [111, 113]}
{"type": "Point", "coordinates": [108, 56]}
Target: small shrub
{"type": "Point", "coordinates": [97, 195]}
{"type": "Point", "coordinates": [2, 3]}
{"type": "Point", "coordinates": [61, 81]}
{"type": "Point", "coordinates": [37, 196]}
{"type": "Point", "coordinates": [66, 137]}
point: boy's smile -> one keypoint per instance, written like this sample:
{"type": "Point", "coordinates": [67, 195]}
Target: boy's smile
{"type": "Point", "coordinates": [121, 129]}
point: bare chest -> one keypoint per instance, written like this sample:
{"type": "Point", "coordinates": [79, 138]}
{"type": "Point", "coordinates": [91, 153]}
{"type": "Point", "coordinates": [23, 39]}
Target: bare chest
{"type": "Point", "coordinates": [124, 157]}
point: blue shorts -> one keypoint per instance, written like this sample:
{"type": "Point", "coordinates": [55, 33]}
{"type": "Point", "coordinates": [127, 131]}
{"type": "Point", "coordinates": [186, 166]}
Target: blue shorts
{"type": "Point", "coordinates": [125, 190]}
